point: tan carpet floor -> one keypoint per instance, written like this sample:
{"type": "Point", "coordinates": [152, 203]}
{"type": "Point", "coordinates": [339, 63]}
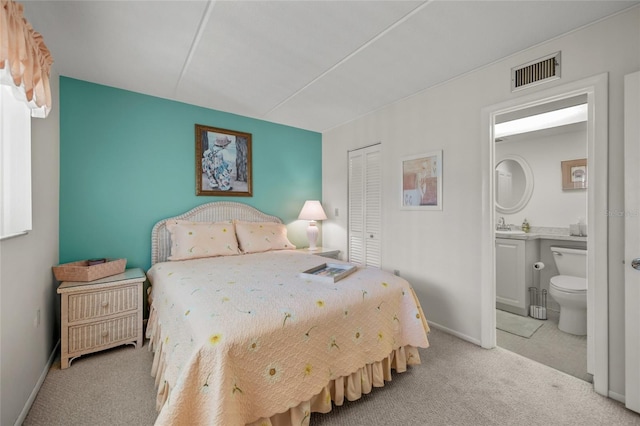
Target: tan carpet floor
{"type": "Point", "coordinates": [550, 346]}
{"type": "Point", "coordinates": [457, 384]}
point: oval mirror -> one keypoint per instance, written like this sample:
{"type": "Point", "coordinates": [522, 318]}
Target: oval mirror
{"type": "Point", "coordinates": [514, 184]}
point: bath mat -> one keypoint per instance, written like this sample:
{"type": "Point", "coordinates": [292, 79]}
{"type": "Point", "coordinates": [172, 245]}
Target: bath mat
{"type": "Point", "coordinates": [516, 324]}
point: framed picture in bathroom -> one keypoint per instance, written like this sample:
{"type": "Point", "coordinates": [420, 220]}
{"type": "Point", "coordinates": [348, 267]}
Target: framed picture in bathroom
{"type": "Point", "coordinates": [422, 181]}
{"type": "Point", "coordinates": [574, 174]}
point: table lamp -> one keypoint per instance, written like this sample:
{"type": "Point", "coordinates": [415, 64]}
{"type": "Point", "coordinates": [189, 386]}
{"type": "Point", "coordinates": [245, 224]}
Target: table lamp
{"type": "Point", "coordinates": [312, 211]}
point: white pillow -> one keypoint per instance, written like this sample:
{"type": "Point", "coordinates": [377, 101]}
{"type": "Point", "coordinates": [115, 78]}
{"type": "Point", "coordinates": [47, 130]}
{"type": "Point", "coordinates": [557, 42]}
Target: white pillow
{"type": "Point", "coordinates": [191, 240]}
{"type": "Point", "coordinates": [256, 237]}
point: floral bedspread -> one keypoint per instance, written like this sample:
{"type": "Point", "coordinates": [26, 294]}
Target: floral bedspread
{"type": "Point", "coordinates": [244, 337]}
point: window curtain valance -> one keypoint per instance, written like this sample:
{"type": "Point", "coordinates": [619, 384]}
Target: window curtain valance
{"type": "Point", "coordinates": [25, 61]}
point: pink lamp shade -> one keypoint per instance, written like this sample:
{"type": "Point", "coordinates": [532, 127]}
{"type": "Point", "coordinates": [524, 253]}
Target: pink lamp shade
{"type": "Point", "coordinates": [312, 211]}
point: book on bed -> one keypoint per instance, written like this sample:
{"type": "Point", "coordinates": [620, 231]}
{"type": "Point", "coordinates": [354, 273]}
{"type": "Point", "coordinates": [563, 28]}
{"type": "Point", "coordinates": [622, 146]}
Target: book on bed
{"type": "Point", "coordinates": [328, 272]}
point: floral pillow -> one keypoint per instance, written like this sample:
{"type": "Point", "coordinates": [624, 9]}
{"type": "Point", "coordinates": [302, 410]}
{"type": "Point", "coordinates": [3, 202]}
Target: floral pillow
{"type": "Point", "coordinates": [191, 240]}
{"type": "Point", "coordinates": [256, 237]}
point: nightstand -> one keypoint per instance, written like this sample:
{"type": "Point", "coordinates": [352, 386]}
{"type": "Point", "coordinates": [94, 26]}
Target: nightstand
{"type": "Point", "coordinates": [321, 251]}
{"type": "Point", "coordinates": [100, 314]}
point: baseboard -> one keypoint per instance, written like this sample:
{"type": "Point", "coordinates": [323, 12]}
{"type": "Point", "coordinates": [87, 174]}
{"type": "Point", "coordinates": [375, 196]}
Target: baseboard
{"type": "Point", "coordinates": [617, 397]}
{"type": "Point", "coordinates": [36, 389]}
{"type": "Point", "coordinates": [454, 333]}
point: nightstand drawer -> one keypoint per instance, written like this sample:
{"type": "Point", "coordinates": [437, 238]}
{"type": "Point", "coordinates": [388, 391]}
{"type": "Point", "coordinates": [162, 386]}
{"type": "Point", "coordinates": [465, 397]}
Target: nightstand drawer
{"type": "Point", "coordinates": [100, 314]}
{"type": "Point", "coordinates": [98, 304]}
{"type": "Point", "coordinates": [87, 336]}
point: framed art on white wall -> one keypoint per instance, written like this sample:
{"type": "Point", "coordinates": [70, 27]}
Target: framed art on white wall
{"type": "Point", "coordinates": [422, 181]}
{"type": "Point", "coordinates": [574, 174]}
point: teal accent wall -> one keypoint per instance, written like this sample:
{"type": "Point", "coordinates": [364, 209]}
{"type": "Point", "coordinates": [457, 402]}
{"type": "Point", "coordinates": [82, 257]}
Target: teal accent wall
{"type": "Point", "coordinates": [127, 160]}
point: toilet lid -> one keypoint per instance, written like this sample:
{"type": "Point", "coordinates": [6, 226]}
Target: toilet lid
{"type": "Point", "coordinates": [569, 283]}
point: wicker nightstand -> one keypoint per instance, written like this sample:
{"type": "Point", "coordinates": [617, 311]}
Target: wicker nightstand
{"type": "Point", "coordinates": [324, 252]}
{"type": "Point", "coordinates": [100, 314]}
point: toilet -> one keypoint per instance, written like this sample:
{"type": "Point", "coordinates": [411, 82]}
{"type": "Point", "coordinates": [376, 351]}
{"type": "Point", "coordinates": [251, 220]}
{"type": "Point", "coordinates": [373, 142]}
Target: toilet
{"type": "Point", "coordinates": [569, 289]}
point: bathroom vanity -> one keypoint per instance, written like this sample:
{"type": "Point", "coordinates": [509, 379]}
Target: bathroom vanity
{"type": "Point", "coordinates": [514, 273]}
{"type": "Point", "coordinates": [516, 252]}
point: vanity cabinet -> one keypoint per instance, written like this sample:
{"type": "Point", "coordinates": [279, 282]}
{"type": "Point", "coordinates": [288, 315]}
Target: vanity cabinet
{"type": "Point", "coordinates": [514, 273]}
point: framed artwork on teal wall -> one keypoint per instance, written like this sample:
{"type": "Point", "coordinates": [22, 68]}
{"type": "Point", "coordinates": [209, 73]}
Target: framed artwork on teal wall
{"type": "Point", "coordinates": [223, 162]}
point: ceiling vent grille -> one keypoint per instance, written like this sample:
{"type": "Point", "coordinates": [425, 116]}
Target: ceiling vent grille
{"type": "Point", "coordinates": [536, 72]}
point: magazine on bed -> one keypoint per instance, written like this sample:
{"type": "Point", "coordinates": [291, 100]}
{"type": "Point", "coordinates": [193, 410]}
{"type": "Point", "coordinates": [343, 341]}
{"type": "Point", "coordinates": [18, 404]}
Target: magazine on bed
{"type": "Point", "coordinates": [328, 272]}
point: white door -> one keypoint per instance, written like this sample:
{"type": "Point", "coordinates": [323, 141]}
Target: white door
{"type": "Point", "coordinates": [632, 239]}
{"type": "Point", "coordinates": [365, 201]}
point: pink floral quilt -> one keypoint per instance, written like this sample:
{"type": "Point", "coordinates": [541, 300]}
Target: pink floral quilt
{"type": "Point", "coordinates": [242, 338]}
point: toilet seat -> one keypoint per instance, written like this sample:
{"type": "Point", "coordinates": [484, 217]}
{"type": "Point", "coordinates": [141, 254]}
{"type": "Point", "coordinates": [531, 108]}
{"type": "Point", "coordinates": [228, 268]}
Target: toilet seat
{"type": "Point", "coordinates": [569, 284]}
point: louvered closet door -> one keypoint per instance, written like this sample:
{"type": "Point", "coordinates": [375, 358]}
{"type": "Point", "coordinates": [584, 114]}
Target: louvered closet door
{"type": "Point", "coordinates": [365, 203]}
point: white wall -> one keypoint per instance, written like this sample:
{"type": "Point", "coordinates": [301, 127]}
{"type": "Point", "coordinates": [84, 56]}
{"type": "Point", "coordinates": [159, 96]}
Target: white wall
{"type": "Point", "coordinates": [438, 251]}
{"type": "Point", "coordinates": [550, 205]}
{"type": "Point", "coordinates": [26, 280]}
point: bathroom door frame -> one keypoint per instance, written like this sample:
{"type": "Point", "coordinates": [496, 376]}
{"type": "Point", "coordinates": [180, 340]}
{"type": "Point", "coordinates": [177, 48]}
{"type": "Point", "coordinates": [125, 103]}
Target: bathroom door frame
{"type": "Point", "coordinates": [596, 89]}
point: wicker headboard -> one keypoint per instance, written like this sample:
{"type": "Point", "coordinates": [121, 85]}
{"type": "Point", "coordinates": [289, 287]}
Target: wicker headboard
{"type": "Point", "coordinates": [210, 212]}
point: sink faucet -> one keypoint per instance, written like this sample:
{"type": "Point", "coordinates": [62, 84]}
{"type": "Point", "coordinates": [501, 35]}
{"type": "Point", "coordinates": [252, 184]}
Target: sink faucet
{"type": "Point", "coordinates": [502, 226]}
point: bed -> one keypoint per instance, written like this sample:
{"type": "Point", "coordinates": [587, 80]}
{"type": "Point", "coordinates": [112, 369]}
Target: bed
{"type": "Point", "coordinates": [240, 338]}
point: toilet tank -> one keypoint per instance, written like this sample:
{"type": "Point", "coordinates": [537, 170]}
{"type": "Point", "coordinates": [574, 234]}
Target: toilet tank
{"type": "Point", "coordinates": [570, 261]}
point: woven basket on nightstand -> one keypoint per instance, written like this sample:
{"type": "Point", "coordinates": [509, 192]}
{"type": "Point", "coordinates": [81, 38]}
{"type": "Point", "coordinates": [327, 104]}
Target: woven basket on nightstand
{"type": "Point", "coordinates": [81, 271]}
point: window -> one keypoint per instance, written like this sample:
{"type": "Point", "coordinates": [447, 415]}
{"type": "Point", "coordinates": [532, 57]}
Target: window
{"type": "Point", "coordinates": [15, 164]}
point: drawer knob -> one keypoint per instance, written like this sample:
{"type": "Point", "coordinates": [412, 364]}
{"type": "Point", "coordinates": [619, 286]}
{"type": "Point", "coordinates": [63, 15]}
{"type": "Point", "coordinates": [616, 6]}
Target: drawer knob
{"type": "Point", "coordinates": [105, 303]}
{"type": "Point", "coordinates": [105, 333]}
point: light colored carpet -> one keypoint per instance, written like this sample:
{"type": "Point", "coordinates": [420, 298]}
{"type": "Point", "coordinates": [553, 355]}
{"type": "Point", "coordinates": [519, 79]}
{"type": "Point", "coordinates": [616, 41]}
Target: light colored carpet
{"type": "Point", "coordinates": [550, 346]}
{"type": "Point", "coordinates": [516, 324]}
{"type": "Point", "coordinates": [113, 387]}
{"type": "Point", "coordinates": [457, 384]}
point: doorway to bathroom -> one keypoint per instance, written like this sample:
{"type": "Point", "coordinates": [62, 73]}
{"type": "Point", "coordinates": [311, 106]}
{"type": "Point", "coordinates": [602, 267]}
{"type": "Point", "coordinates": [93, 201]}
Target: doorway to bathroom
{"type": "Point", "coordinates": [520, 251]}
{"type": "Point", "coordinates": [540, 212]}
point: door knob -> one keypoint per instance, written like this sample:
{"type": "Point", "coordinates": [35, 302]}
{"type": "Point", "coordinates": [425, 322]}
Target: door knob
{"type": "Point", "coordinates": [635, 263]}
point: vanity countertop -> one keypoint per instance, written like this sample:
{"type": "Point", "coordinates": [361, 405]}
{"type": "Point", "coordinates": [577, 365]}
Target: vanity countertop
{"type": "Point", "coordinates": [561, 234]}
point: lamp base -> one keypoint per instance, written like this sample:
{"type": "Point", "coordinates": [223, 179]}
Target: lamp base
{"type": "Point", "coordinates": [312, 235]}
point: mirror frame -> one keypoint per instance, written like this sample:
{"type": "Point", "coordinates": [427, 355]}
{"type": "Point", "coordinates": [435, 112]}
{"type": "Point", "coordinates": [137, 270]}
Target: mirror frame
{"type": "Point", "coordinates": [528, 188]}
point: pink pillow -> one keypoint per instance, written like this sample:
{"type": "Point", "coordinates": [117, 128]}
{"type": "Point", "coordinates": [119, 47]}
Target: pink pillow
{"type": "Point", "coordinates": [256, 237]}
{"type": "Point", "coordinates": [191, 240]}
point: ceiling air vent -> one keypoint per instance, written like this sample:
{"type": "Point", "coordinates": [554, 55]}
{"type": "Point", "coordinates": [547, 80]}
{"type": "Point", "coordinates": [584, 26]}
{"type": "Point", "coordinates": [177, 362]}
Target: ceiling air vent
{"type": "Point", "coordinates": [536, 72]}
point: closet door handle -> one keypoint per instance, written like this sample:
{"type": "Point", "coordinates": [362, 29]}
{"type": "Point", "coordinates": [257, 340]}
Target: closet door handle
{"type": "Point", "coordinates": [635, 263]}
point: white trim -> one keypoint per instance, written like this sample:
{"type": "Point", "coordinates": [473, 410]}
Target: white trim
{"type": "Point", "coordinates": [596, 89]}
{"type": "Point", "coordinates": [631, 242]}
{"type": "Point", "coordinates": [36, 389]}
{"type": "Point", "coordinates": [18, 234]}
{"type": "Point", "coordinates": [453, 333]}
{"type": "Point", "coordinates": [618, 397]}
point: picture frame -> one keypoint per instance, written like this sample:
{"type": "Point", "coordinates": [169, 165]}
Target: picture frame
{"type": "Point", "coordinates": [223, 162]}
{"type": "Point", "coordinates": [421, 181]}
{"type": "Point", "coordinates": [574, 174]}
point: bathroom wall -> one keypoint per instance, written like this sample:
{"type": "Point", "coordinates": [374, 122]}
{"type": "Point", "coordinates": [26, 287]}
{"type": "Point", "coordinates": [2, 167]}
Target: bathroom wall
{"type": "Point", "coordinates": [550, 205]}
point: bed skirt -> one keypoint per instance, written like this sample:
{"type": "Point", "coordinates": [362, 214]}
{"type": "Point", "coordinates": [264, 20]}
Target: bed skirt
{"type": "Point", "coordinates": [350, 387]}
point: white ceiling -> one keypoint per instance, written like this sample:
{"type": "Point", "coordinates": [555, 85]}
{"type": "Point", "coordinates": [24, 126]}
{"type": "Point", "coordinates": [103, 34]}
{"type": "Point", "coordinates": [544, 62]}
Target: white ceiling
{"type": "Point", "coordinates": [308, 64]}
